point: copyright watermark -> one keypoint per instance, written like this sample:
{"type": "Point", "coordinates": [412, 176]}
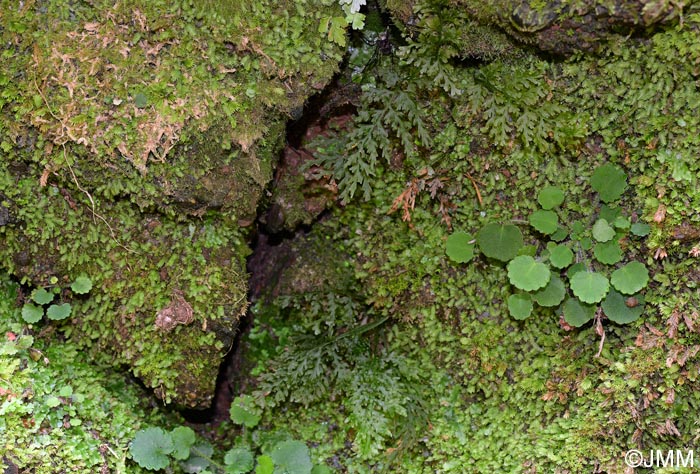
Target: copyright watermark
{"type": "Point", "coordinates": [660, 458]}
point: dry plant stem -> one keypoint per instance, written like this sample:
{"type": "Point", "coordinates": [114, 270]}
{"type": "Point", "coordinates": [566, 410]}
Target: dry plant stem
{"type": "Point", "coordinates": [75, 179]}
{"type": "Point", "coordinates": [476, 188]}
{"type": "Point", "coordinates": [600, 331]}
{"type": "Point", "coordinates": [92, 203]}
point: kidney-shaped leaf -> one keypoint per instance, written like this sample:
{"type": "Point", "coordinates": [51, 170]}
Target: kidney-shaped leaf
{"type": "Point", "coordinates": [520, 305]}
{"type": "Point", "coordinates": [608, 253]}
{"type": "Point", "coordinates": [500, 241]}
{"type": "Point", "coordinates": [81, 285]}
{"type": "Point", "coordinates": [58, 311]}
{"type": "Point", "coordinates": [610, 182]}
{"type": "Point", "coordinates": [603, 231]}
{"type": "Point", "coordinates": [239, 460]}
{"type": "Point", "coordinates": [150, 448]}
{"type": "Point", "coordinates": [552, 294]}
{"type": "Point", "coordinates": [630, 278]}
{"type": "Point", "coordinates": [243, 411]}
{"type": "Point", "coordinates": [183, 438]}
{"type": "Point", "coordinates": [550, 197]}
{"type": "Point", "coordinates": [576, 313]}
{"type": "Point", "coordinates": [32, 313]}
{"type": "Point", "coordinates": [460, 247]}
{"type": "Point", "coordinates": [561, 256]}
{"type": "Point", "coordinates": [292, 457]}
{"type": "Point", "coordinates": [640, 229]}
{"type": "Point", "coordinates": [622, 309]}
{"type": "Point", "coordinates": [546, 222]}
{"type": "Point", "coordinates": [41, 296]}
{"type": "Point", "coordinates": [525, 273]}
{"type": "Point", "coordinates": [589, 287]}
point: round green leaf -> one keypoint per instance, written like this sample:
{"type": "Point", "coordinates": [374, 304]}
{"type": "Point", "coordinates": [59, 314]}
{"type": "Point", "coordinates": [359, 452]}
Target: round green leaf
{"type": "Point", "coordinates": [608, 253]}
{"type": "Point", "coordinates": [527, 274]}
{"type": "Point", "coordinates": [58, 311]}
{"type": "Point", "coordinates": [460, 247]}
{"type": "Point", "coordinates": [200, 454]}
{"type": "Point", "coordinates": [560, 234]}
{"type": "Point", "coordinates": [550, 197]}
{"type": "Point", "coordinates": [265, 465]}
{"type": "Point", "coordinates": [41, 296]}
{"type": "Point", "coordinates": [609, 181]}
{"type": "Point", "coordinates": [81, 285]}
{"type": "Point", "coordinates": [622, 309]}
{"type": "Point", "coordinates": [609, 213]}
{"type": "Point", "coordinates": [602, 231]}
{"type": "Point", "coordinates": [500, 241]}
{"type": "Point", "coordinates": [575, 268]}
{"type": "Point", "coordinates": [586, 243]}
{"type": "Point", "coordinates": [239, 461]}
{"type": "Point", "coordinates": [292, 457]}
{"type": "Point", "coordinates": [244, 411]}
{"type": "Point", "coordinates": [589, 287]}
{"type": "Point", "coordinates": [32, 313]}
{"type": "Point", "coordinates": [66, 391]}
{"type": "Point", "coordinates": [546, 222]}
{"type": "Point", "coordinates": [561, 256]}
{"type": "Point", "coordinates": [576, 313]}
{"type": "Point", "coordinates": [577, 230]}
{"type": "Point", "coordinates": [630, 278]}
{"type": "Point", "coordinates": [552, 294]}
{"type": "Point", "coordinates": [183, 438]}
{"type": "Point", "coordinates": [621, 222]}
{"type": "Point", "coordinates": [150, 448]}
{"type": "Point", "coordinates": [52, 401]}
{"type": "Point", "coordinates": [640, 229]}
{"type": "Point", "coordinates": [520, 305]}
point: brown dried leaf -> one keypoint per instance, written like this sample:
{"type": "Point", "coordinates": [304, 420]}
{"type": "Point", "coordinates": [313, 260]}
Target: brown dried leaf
{"type": "Point", "coordinates": [671, 428]}
{"type": "Point", "coordinates": [660, 214]}
{"type": "Point", "coordinates": [564, 325]}
{"type": "Point", "coordinates": [406, 201]}
{"type": "Point", "coordinates": [92, 27]}
{"type": "Point", "coordinates": [690, 320]}
{"type": "Point", "coordinates": [660, 254]}
{"type": "Point", "coordinates": [654, 330]}
{"type": "Point", "coordinates": [178, 312]}
{"type": "Point", "coordinates": [673, 355]}
{"type": "Point", "coordinates": [672, 324]}
{"type": "Point", "coordinates": [44, 177]}
{"type": "Point", "coordinates": [670, 396]}
{"type": "Point", "coordinates": [689, 352]}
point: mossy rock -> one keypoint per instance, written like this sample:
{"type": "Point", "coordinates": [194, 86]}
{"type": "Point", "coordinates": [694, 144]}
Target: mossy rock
{"type": "Point", "coordinates": [138, 139]}
{"type": "Point", "coordinates": [558, 26]}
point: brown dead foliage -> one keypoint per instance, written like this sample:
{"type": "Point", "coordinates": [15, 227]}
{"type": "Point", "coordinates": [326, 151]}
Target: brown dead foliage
{"type": "Point", "coordinates": [178, 312]}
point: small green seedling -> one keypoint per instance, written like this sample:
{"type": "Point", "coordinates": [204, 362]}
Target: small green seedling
{"type": "Point", "coordinates": [33, 313]}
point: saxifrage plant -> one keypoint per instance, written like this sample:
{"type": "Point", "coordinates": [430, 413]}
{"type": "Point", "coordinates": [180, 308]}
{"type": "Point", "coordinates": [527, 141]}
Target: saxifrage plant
{"type": "Point", "coordinates": [580, 268]}
{"type": "Point", "coordinates": [41, 297]}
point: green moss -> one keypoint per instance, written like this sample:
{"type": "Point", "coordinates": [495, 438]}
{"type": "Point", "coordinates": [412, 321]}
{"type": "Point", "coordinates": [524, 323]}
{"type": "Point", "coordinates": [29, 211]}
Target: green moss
{"type": "Point", "coordinates": [138, 139]}
{"type": "Point", "coordinates": [486, 372]}
{"type": "Point", "coordinates": [60, 412]}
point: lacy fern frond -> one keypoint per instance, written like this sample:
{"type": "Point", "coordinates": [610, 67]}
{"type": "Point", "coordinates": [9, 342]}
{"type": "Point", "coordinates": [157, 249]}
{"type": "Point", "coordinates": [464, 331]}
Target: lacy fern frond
{"type": "Point", "coordinates": [390, 121]}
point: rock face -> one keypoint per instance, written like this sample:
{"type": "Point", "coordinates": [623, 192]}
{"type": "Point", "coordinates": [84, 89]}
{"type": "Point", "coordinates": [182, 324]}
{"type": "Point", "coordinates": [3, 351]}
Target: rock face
{"type": "Point", "coordinates": [561, 27]}
{"type": "Point", "coordinates": [136, 141]}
